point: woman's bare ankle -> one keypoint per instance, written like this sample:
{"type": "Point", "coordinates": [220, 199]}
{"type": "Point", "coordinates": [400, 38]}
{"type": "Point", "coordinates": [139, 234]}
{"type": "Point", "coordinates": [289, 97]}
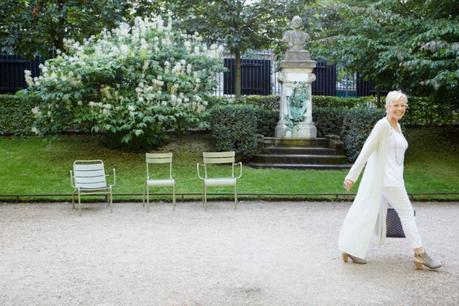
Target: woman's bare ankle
{"type": "Point", "coordinates": [419, 251]}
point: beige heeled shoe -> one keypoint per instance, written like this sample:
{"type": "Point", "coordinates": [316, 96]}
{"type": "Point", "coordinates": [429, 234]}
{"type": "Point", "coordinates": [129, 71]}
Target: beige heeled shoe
{"type": "Point", "coordinates": [354, 259]}
{"type": "Point", "coordinates": [424, 259]}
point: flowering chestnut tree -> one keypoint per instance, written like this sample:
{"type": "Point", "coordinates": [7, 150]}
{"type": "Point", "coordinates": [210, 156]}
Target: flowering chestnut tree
{"type": "Point", "coordinates": [130, 83]}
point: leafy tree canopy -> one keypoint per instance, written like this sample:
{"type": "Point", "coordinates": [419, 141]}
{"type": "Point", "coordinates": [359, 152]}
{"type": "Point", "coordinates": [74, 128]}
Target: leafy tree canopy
{"type": "Point", "coordinates": [39, 27]}
{"type": "Point", "coordinates": [240, 25]}
{"type": "Point", "coordinates": [407, 44]}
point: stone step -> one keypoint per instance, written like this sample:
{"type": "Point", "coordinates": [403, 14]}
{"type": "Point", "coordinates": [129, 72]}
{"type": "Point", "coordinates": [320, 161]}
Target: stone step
{"type": "Point", "coordinates": [301, 166]}
{"type": "Point", "coordinates": [298, 150]}
{"type": "Point", "coordinates": [299, 142]}
{"type": "Point", "coordinates": [300, 159]}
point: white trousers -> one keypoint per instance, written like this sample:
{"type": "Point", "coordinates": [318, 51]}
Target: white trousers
{"type": "Point", "coordinates": [398, 199]}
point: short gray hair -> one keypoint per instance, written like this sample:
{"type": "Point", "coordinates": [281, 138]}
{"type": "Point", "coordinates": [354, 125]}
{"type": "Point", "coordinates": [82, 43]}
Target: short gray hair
{"type": "Point", "coordinates": [394, 96]}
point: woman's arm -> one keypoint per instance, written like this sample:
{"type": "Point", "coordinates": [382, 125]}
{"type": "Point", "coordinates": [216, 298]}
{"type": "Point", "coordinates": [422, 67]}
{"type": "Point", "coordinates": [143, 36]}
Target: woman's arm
{"type": "Point", "coordinates": [370, 145]}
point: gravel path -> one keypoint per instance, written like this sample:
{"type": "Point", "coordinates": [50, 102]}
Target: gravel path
{"type": "Point", "coordinates": [264, 253]}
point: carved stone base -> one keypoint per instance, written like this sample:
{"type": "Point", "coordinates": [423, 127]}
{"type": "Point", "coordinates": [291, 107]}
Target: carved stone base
{"type": "Point", "coordinates": [305, 130]}
{"type": "Point", "coordinates": [281, 130]}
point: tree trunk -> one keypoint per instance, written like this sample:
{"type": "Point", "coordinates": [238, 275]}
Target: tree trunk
{"type": "Point", "coordinates": [237, 79]}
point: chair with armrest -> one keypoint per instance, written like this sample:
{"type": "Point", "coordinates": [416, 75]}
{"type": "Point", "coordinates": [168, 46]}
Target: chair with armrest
{"type": "Point", "coordinates": [88, 178]}
{"type": "Point", "coordinates": [218, 158]}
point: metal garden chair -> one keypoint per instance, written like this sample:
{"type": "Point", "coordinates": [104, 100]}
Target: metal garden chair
{"type": "Point", "coordinates": [88, 178]}
{"type": "Point", "coordinates": [210, 158]}
{"type": "Point", "coordinates": [158, 158]}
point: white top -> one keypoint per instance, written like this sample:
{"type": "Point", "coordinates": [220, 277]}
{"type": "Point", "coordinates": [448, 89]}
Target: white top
{"type": "Point", "coordinates": [393, 172]}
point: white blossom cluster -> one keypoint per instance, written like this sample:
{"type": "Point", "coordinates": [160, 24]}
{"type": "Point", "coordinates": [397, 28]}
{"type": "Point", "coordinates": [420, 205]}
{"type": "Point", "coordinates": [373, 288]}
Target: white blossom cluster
{"type": "Point", "coordinates": [121, 76]}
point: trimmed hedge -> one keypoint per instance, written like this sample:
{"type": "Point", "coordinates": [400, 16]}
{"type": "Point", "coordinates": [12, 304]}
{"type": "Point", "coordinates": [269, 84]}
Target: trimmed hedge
{"type": "Point", "coordinates": [234, 128]}
{"type": "Point", "coordinates": [266, 121]}
{"type": "Point", "coordinates": [357, 125]}
{"type": "Point", "coordinates": [265, 102]}
{"type": "Point", "coordinates": [328, 120]}
{"type": "Point", "coordinates": [16, 116]}
{"type": "Point", "coordinates": [213, 101]}
{"type": "Point", "coordinates": [427, 112]}
{"type": "Point", "coordinates": [338, 102]}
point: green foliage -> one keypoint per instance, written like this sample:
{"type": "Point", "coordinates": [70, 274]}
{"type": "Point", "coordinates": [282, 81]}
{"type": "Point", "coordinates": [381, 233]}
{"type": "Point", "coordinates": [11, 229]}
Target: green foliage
{"type": "Point", "coordinates": [266, 121]}
{"type": "Point", "coordinates": [265, 110]}
{"type": "Point", "coordinates": [218, 100]}
{"type": "Point", "coordinates": [409, 45]}
{"type": "Point", "coordinates": [329, 121]}
{"type": "Point", "coordinates": [132, 84]}
{"type": "Point", "coordinates": [15, 114]}
{"type": "Point", "coordinates": [329, 112]}
{"type": "Point", "coordinates": [426, 111]}
{"type": "Point", "coordinates": [41, 26]}
{"type": "Point", "coordinates": [265, 102]}
{"type": "Point", "coordinates": [234, 128]}
{"type": "Point", "coordinates": [241, 25]}
{"type": "Point", "coordinates": [338, 102]}
{"type": "Point", "coordinates": [357, 125]}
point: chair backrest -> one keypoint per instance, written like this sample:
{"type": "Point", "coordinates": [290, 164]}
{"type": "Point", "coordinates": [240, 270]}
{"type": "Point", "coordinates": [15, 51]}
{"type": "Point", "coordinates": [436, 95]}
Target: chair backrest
{"type": "Point", "coordinates": [218, 157]}
{"type": "Point", "coordinates": [214, 158]}
{"type": "Point", "coordinates": [89, 174]}
{"type": "Point", "coordinates": [159, 158]}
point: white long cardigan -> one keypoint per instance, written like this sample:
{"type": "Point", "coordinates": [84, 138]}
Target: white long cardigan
{"type": "Point", "coordinates": [368, 212]}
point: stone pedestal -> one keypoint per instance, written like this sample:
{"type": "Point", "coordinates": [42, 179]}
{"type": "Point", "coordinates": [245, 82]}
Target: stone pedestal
{"type": "Point", "coordinates": [296, 69]}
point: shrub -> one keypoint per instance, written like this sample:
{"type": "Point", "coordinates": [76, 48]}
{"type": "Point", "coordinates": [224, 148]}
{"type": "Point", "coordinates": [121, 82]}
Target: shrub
{"type": "Point", "coordinates": [234, 128]}
{"type": "Point", "coordinates": [132, 83]}
{"type": "Point", "coordinates": [328, 120]}
{"type": "Point", "coordinates": [16, 117]}
{"type": "Point", "coordinates": [266, 121]}
{"type": "Point", "coordinates": [266, 102]}
{"type": "Point", "coordinates": [338, 102]}
{"type": "Point", "coordinates": [266, 111]}
{"type": "Point", "coordinates": [357, 125]}
{"type": "Point", "coordinates": [213, 101]}
{"type": "Point", "coordinates": [426, 111]}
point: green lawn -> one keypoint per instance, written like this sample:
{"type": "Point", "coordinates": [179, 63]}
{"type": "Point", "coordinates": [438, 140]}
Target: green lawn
{"type": "Point", "coordinates": [30, 165]}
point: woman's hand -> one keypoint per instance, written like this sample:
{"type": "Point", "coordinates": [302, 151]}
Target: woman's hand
{"type": "Point", "coordinates": [348, 184]}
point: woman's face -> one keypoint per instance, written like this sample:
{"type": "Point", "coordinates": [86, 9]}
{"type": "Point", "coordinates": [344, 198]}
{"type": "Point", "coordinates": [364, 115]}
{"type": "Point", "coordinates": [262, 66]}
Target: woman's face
{"type": "Point", "coordinates": [396, 110]}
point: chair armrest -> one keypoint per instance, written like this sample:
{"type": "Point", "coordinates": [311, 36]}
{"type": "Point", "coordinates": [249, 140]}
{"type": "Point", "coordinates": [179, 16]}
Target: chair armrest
{"type": "Point", "coordinates": [71, 179]}
{"type": "Point", "coordinates": [240, 169]}
{"type": "Point", "coordinates": [197, 168]}
{"type": "Point", "coordinates": [114, 177]}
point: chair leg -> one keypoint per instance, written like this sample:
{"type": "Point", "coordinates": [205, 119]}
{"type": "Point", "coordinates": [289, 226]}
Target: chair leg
{"type": "Point", "coordinates": [235, 197]}
{"type": "Point", "coordinates": [148, 198]}
{"type": "Point", "coordinates": [111, 201]}
{"type": "Point", "coordinates": [173, 197]}
{"type": "Point", "coordinates": [205, 197]}
{"type": "Point", "coordinates": [79, 204]}
{"type": "Point", "coordinates": [73, 200]}
{"type": "Point", "coordinates": [144, 193]}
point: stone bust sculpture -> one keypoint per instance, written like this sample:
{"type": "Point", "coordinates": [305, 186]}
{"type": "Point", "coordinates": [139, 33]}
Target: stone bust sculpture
{"type": "Point", "coordinates": [296, 39]}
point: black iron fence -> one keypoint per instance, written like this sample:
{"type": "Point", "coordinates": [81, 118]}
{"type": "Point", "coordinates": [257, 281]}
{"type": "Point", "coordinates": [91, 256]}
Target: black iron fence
{"type": "Point", "coordinates": [325, 83]}
{"type": "Point", "coordinates": [12, 72]}
{"type": "Point", "coordinates": [259, 76]}
{"type": "Point", "coordinates": [255, 76]}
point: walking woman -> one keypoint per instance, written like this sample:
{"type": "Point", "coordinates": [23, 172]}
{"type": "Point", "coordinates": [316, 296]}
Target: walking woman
{"type": "Point", "coordinates": [382, 183]}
